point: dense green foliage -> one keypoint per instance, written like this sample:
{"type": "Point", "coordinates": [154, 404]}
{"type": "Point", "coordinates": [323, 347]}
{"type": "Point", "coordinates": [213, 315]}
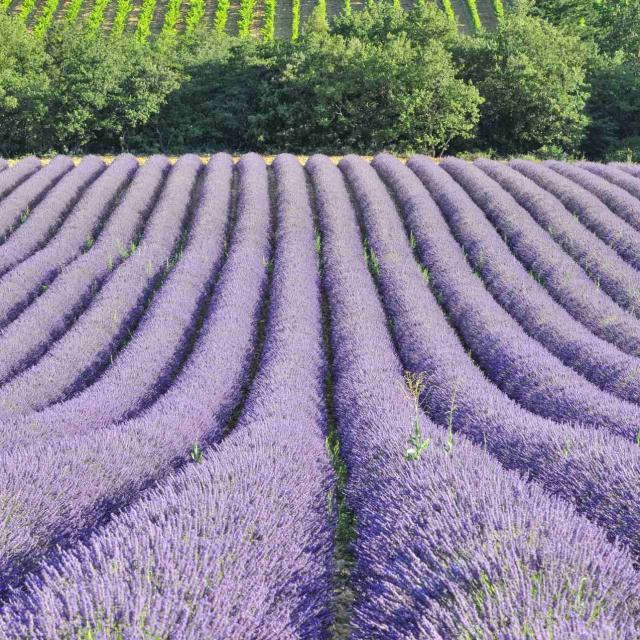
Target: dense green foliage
{"type": "Point", "coordinates": [556, 77]}
{"type": "Point", "coordinates": [533, 81]}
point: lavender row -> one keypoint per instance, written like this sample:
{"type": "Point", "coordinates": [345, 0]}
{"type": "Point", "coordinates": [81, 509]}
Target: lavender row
{"type": "Point", "coordinates": [616, 176]}
{"type": "Point", "coordinates": [601, 262]}
{"type": "Point", "coordinates": [523, 297]}
{"type": "Point", "coordinates": [448, 545]}
{"type": "Point", "coordinates": [145, 367]}
{"type": "Point", "coordinates": [25, 339]}
{"type": "Point", "coordinates": [72, 362]}
{"type": "Point", "coordinates": [57, 208]}
{"type": "Point", "coordinates": [238, 546]}
{"type": "Point", "coordinates": [16, 207]}
{"type": "Point", "coordinates": [15, 175]}
{"type": "Point", "coordinates": [569, 285]}
{"type": "Point", "coordinates": [3, 164]}
{"type": "Point", "coordinates": [597, 472]}
{"type": "Point", "coordinates": [631, 169]}
{"type": "Point", "coordinates": [514, 361]}
{"type": "Point", "coordinates": [105, 469]}
{"type": "Point", "coordinates": [32, 265]}
{"type": "Point", "coordinates": [616, 198]}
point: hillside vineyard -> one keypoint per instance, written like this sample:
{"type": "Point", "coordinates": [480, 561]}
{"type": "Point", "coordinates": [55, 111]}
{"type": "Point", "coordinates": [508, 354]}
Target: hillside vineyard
{"type": "Point", "coordinates": [265, 18]}
{"type": "Point", "coordinates": [371, 400]}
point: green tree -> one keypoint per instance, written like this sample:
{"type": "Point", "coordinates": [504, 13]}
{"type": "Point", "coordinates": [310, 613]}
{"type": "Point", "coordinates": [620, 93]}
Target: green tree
{"type": "Point", "coordinates": [338, 94]}
{"type": "Point", "coordinates": [532, 78]}
{"type": "Point", "coordinates": [614, 25]}
{"type": "Point", "coordinates": [104, 89]}
{"type": "Point", "coordinates": [24, 88]}
{"type": "Point", "coordinates": [614, 109]}
{"type": "Point", "coordinates": [217, 93]}
{"type": "Point", "coordinates": [423, 24]}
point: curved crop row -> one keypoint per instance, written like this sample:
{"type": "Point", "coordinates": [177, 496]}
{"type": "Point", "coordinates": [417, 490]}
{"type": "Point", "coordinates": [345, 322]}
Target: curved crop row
{"type": "Point", "coordinates": [73, 361]}
{"type": "Point", "coordinates": [448, 9]}
{"type": "Point", "coordinates": [521, 295]}
{"type": "Point", "coordinates": [14, 176]}
{"type": "Point", "coordinates": [446, 539]}
{"type": "Point", "coordinates": [144, 368]}
{"type": "Point", "coordinates": [45, 320]}
{"type": "Point", "coordinates": [269, 20]}
{"type": "Point", "coordinates": [595, 471]}
{"type": "Point", "coordinates": [3, 164]}
{"type": "Point", "coordinates": [106, 469]}
{"type": "Point", "coordinates": [221, 16]}
{"type": "Point", "coordinates": [514, 361]}
{"type": "Point", "coordinates": [44, 221]}
{"type": "Point", "coordinates": [16, 207]}
{"type": "Point", "coordinates": [171, 17]}
{"type": "Point", "coordinates": [593, 214]}
{"type": "Point", "coordinates": [616, 176]}
{"type": "Point", "coordinates": [26, 9]}
{"type": "Point", "coordinates": [96, 17]}
{"type": "Point", "coordinates": [295, 18]}
{"type": "Point", "coordinates": [73, 11]}
{"type": "Point", "coordinates": [265, 576]}
{"type": "Point", "coordinates": [631, 169]}
{"type": "Point", "coordinates": [73, 210]}
{"type": "Point", "coordinates": [561, 276]}
{"type": "Point", "coordinates": [618, 201]}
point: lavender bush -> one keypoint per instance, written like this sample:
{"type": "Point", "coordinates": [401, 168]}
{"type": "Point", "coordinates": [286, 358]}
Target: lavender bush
{"type": "Point", "coordinates": [614, 175]}
{"type": "Point", "coordinates": [614, 197]}
{"type": "Point", "coordinates": [144, 368]}
{"type": "Point", "coordinates": [106, 469]}
{"type": "Point", "coordinates": [45, 320]}
{"type": "Point", "coordinates": [241, 401]}
{"type": "Point", "coordinates": [16, 207]}
{"type": "Point", "coordinates": [520, 294]}
{"type": "Point", "coordinates": [83, 351]}
{"type": "Point", "coordinates": [448, 545]}
{"type": "Point", "coordinates": [15, 175]}
{"type": "Point", "coordinates": [631, 169]}
{"type": "Point", "coordinates": [597, 472]}
{"type": "Point", "coordinates": [46, 218]}
{"type": "Point", "coordinates": [514, 361]}
{"type": "Point", "coordinates": [266, 576]}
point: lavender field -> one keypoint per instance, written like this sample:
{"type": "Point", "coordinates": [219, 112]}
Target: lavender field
{"type": "Point", "coordinates": [371, 400]}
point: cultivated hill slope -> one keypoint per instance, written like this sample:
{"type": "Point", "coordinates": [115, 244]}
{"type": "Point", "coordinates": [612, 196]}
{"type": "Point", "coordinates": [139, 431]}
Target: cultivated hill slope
{"type": "Point", "coordinates": [128, 13]}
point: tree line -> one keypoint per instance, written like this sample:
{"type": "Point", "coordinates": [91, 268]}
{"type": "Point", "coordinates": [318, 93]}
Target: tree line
{"type": "Point", "coordinates": [557, 78]}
